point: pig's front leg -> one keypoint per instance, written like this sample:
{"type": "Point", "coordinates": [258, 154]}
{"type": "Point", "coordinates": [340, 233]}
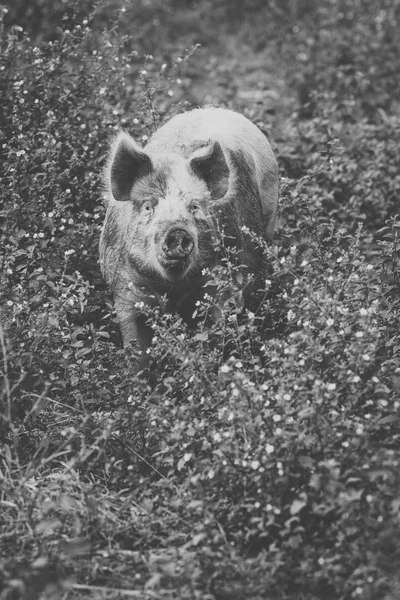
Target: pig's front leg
{"type": "Point", "coordinates": [133, 325]}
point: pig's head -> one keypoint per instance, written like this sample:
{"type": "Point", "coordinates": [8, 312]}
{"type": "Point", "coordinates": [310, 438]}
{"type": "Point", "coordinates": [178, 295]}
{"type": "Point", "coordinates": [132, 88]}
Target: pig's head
{"type": "Point", "coordinates": [165, 200]}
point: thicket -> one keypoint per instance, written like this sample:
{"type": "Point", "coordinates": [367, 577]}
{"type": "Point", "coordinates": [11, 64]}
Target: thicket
{"type": "Point", "coordinates": [262, 458]}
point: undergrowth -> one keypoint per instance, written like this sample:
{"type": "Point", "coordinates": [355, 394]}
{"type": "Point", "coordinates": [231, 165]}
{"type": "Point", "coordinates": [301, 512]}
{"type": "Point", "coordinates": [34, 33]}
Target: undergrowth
{"type": "Point", "coordinates": [261, 459]}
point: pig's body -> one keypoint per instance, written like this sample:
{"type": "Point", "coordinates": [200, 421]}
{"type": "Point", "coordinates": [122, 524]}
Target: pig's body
{"type": "Point", "coordinates": [204, 172]}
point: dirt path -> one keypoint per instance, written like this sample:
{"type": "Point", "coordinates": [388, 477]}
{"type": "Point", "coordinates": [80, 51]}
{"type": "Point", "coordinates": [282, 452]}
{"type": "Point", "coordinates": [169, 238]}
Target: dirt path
{"type": "Point", "coordinates": [227, 70]}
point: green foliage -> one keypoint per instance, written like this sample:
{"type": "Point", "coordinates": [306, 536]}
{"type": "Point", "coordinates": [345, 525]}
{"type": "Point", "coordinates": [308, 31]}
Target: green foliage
{"type": "Point", "coordinates": [259, 456]}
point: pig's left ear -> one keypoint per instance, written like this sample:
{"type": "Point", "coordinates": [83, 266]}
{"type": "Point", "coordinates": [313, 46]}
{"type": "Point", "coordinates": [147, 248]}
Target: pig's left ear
{"type": "Point", "coordinates": [209, 163]}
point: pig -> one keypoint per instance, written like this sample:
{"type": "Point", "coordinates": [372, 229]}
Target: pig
{"type": "Point", "coordinates": [206, 173]}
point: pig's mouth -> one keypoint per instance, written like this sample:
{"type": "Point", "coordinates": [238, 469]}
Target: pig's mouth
{"type": "Point", "coordinates": [175, 268]}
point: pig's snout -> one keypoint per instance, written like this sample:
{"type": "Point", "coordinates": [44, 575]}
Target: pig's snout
{"type": "Point", "coordinates": [177, 244]}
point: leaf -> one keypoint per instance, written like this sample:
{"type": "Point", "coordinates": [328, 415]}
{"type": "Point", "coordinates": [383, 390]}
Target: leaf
{"type": "Point", "coordinates": [147, 504]}
{"type": "Point", "coordinates": [83, 352]}
{"type": "Point", "coordinates": [48, 526]}
{"type": "Point", "coordinates": [76, 547]}
{"type": "Point", "coordinates": [153, 582]}
{"type": "Point", "coordinates": [387, 420]}
{"type": "Point", "coordinates": [201, 337]}
{"type": "Point", "coordinates": [306, 462]}
{"type": "Point", "coordinates": [197, 538]}
{"type": "Point", "coordinates": [306, 412]}
{"type": "Point", "coordinates": [181, 463]}
{"type": "Point", "coordinates": [297, 506]}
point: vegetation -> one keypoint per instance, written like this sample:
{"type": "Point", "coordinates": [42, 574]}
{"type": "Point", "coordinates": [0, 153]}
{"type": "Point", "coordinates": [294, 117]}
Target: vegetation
{"type": "Point", "coordinates": [261, 459]}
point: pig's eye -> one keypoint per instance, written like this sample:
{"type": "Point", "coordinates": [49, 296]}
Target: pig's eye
{"type": "Point", "coordinates": [195, 208]}
{"type": "Point", "coordinates": [148, 209]}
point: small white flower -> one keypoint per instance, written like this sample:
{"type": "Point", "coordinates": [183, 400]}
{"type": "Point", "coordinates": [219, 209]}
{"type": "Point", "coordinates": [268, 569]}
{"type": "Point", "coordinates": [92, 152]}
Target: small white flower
{"type": "Point", "coordinates": [358, 590]}
{"type": "Point", "coordinates": [331, 386]}
{"type": "Point", "coordinates": [269, 448]}
{"type": "Point", "coordinates": [277, 418]}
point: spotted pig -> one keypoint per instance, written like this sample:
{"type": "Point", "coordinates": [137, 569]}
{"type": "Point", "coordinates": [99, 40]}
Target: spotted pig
{"type": "Point", "coordinates": [205, 173]}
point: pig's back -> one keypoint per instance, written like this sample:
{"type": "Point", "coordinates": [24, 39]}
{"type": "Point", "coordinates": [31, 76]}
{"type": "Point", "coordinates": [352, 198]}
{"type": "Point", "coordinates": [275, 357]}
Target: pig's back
{"type": "Point", "coordinates": [232, 130]}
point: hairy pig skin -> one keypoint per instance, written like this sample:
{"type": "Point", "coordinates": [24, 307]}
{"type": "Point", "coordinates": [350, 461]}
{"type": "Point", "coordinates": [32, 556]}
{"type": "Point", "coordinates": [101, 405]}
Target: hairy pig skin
{"type": "Point", "coordinates": [205, 173]}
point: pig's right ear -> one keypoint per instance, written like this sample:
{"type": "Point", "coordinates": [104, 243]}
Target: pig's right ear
{"type": "Point", "coordinates": [128, 163]}
{"type": "Point", "coordinates": [209, 163]}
